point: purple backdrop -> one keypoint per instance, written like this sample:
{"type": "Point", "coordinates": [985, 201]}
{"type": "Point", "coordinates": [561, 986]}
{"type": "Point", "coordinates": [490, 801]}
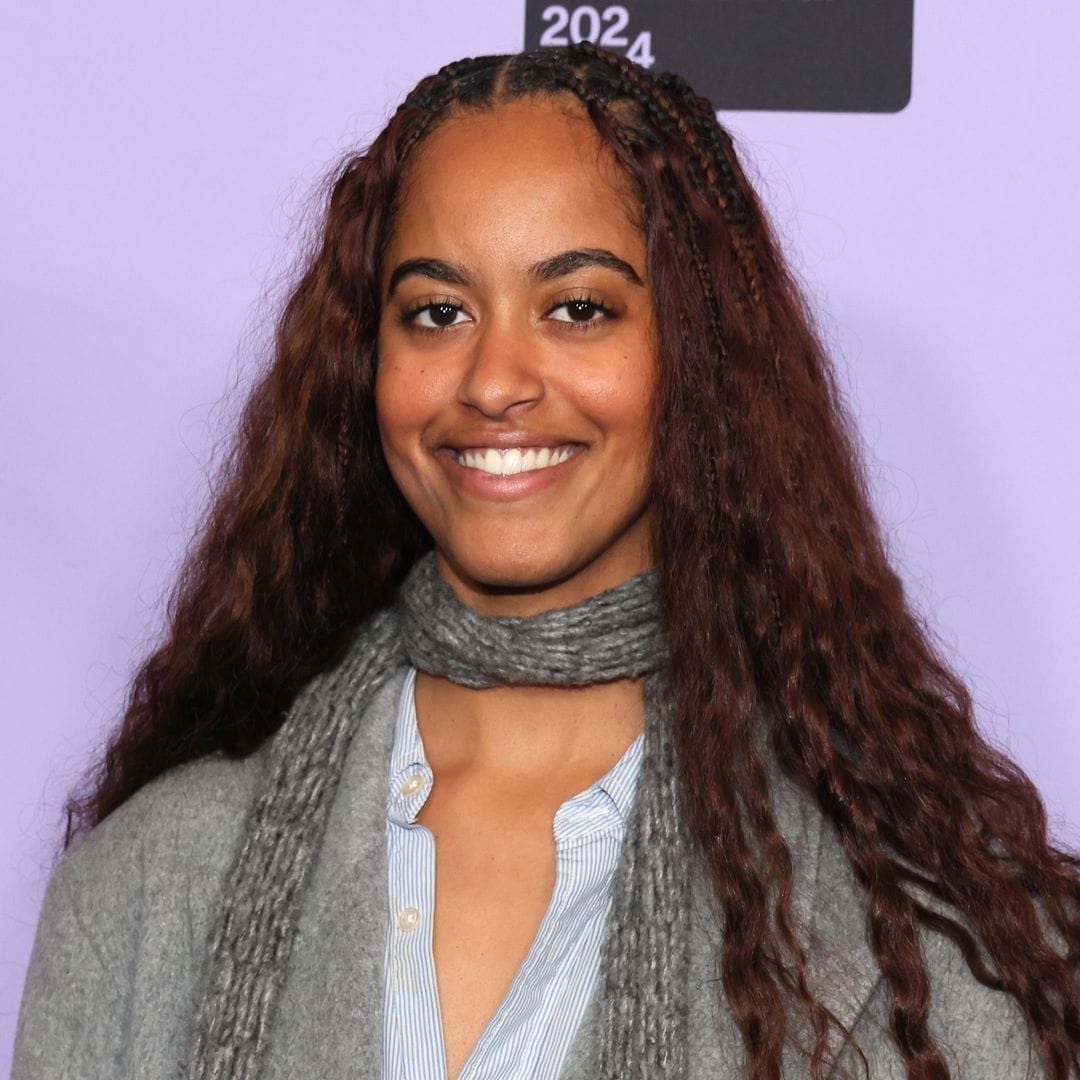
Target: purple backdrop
{"type": "Point", "coordinates": [157, 166]}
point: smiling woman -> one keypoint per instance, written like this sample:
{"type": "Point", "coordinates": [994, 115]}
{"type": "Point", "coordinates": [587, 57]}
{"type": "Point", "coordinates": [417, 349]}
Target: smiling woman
{"type": "Point", "coordinates": [539, 700]}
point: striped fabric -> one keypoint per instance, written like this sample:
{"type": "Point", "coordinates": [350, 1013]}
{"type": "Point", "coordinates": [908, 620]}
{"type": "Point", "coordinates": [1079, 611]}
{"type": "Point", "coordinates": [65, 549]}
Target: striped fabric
{"type": "Point", "coordinates": [530, 1034]}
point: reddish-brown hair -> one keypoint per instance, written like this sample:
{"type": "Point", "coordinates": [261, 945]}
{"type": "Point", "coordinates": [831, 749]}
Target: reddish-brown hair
{"type": "Point", "coordinates": [778, 597]}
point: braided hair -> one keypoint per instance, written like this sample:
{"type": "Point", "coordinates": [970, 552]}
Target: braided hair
{"type": "Point", "coordinates": [778, 597]}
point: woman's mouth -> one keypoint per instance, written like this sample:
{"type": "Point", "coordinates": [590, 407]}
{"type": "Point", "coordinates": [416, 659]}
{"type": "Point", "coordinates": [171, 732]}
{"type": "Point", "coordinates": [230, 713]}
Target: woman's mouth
{"type": "Point", "coordinates": [516, 459]}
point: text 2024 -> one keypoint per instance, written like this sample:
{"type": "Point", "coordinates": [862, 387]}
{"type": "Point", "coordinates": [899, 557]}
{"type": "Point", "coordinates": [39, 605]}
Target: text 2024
{"type": "Point", "coordinates": [607, 27]}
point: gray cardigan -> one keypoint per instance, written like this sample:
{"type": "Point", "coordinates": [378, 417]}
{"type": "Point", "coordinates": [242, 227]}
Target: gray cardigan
{"type": "Point", "coordinates": [122, 936]}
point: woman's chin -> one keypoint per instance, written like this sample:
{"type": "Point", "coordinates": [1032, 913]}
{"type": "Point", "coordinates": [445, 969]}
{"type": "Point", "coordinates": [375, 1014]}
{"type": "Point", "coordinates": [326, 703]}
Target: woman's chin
{"type": "Point", "coordinates": [499, 571]}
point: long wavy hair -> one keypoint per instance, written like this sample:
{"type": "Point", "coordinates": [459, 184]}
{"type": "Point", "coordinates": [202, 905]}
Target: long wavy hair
{"type": "Point", "coordinates": [778, 596]}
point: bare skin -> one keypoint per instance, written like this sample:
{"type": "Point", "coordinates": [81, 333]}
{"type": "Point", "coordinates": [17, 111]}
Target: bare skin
{"type": "Point", "coordinates": [504, 760]}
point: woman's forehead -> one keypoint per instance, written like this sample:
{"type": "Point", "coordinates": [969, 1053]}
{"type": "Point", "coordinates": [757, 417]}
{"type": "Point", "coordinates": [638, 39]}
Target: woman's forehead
{"type": "Point", "coordinates": [533, 171]}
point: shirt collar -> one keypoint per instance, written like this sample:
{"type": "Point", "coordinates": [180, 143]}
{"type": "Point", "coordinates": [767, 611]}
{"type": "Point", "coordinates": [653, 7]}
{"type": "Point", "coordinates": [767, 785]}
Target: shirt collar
{"type": "Point", "coordinates": [408, 753]}
{"type": "Point", "coordinates": [410, 774]}
{"type": "Point", "coordinates": [620, 781]}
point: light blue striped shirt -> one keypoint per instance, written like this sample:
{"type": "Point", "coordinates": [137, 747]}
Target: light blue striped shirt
{"type": "Point", "coordinates": [530, 1034]}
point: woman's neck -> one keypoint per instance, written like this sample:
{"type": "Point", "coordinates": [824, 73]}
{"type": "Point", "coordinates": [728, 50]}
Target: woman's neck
{"type": "Point", "coordinates": [532, 731]}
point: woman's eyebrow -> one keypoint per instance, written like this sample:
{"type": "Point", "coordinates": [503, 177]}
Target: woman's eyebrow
{"type": "Point", "coordinates": [435, 269]}
{"type": "Point", "coordinates": [569, 261]}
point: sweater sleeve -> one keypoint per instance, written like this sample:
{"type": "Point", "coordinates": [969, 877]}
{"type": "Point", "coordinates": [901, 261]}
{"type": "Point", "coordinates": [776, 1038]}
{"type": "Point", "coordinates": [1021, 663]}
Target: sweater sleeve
{"type": "Point", "coordinates": [72, 1018]}
{"type": "Point", "coordinates": [123, 930]}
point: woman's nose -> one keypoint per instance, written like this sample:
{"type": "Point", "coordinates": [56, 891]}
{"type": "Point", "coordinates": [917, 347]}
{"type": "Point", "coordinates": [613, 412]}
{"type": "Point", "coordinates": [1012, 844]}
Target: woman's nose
{"type": "Point", "coordinates": [502, 370]}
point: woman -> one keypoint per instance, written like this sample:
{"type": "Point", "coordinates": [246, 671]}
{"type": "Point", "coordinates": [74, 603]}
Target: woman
{"type": "Point", "coordinates": [545, 546]}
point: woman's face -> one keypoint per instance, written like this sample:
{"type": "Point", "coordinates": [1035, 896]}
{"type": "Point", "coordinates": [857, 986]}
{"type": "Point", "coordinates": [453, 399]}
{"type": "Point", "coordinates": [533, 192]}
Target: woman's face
{"type": "Point", "coordinates": [517, 358]}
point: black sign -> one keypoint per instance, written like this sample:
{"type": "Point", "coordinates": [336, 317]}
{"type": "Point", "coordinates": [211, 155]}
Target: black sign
{"type": "Point", "coordinates": [821, 55]}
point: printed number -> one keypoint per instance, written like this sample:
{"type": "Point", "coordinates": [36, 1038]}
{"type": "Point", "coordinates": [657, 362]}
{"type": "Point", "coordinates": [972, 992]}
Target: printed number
{"type": "Point", "coordinates": [579, 16]}
{"type": "Point", "coordinates": [554, 35]}
{"type": "Point", "coordinates": [612, 37]}
{"type": "Point", "coordinates": [641, 51]}
{"type": "Point", "coordinates": [586, 23]}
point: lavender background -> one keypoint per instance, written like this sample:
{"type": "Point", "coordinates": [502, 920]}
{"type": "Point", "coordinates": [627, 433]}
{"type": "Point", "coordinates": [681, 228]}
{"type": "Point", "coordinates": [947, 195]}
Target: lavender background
{"type": "Point", "coordinates": [158, 162]}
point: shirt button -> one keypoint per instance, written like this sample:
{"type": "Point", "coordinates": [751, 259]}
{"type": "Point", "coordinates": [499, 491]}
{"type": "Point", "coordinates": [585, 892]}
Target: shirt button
{"type": "Point", "coordinates": [413, 784]}
{"type": "Point", "coordinates": [409, 919]}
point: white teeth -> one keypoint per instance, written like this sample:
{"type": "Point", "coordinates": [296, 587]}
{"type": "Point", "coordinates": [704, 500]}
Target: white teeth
{"type": "Point", "coordinates": [513, 461]}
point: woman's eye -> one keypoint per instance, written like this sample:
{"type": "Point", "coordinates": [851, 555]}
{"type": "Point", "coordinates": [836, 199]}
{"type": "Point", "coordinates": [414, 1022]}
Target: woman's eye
{"type": "Point", "coordinates": [438, 316]}
{"type": "Point", "coordinates": [579, 311]}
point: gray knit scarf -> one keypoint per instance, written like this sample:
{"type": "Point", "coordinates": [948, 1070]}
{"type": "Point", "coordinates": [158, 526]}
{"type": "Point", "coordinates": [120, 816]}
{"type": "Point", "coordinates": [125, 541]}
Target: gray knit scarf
{"type": "Point", "coordinates": [614, 635]}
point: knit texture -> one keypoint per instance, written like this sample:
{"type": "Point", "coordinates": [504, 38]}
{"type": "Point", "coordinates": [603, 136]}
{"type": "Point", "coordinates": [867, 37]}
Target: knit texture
{"type": "Point", "coordinates": [613, 635]}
